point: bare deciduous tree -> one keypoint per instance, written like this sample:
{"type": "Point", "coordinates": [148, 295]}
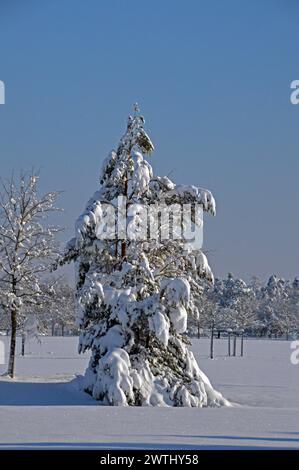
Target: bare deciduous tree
{"type": "Point", "coordinates": [27, 247]}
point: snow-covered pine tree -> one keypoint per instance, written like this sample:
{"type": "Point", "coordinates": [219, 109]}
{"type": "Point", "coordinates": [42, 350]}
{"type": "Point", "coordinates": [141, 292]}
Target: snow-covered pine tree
{"type": "Point", "coordinates": [274, 296]}
{"type": "Point", "coordinates": [134, 295]}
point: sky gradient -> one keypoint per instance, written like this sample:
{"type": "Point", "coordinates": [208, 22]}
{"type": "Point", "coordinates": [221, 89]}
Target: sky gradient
{"type": "Point", "coordinates": [213, 82]}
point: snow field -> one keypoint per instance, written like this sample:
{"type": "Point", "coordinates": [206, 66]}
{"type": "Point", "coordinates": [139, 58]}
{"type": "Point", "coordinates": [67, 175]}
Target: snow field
{"type": "Point", "coordinates": [44, 407]}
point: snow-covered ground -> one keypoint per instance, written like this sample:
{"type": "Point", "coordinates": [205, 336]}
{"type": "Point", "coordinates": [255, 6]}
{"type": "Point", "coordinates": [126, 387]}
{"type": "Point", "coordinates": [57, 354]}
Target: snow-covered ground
{"type": "Point", "coordinates": [44, 408]}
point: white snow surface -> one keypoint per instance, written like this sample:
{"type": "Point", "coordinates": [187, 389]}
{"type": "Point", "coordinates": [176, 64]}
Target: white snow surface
{"type": "Point", "coordinates": [44, 407]}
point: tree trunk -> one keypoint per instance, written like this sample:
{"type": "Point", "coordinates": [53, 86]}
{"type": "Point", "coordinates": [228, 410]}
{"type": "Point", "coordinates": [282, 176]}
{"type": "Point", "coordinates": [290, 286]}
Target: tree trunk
{"type": "Point", "coordinates": [198, 330]}
{"type": "Point", "coordinates": [62, 329]}
{"type": "Point", "coordinates": [13, 339]}
{"type": "Point", "coordinates": [124, 243]}
{"type": "Point", "coordinates": [228, 337]}
{"type": "Point", "coordinates": [242, 344]}
{"type": "Point", "coordinates": [23, 345]}
{"type": "Point", "coordinates": [53, 328]}
{"type": "Point", "coordinates": [123, 249]}
{"type": "Point", "coordinates": [212, 344]}
{"type": "Point", "coordinates": [219, 333]}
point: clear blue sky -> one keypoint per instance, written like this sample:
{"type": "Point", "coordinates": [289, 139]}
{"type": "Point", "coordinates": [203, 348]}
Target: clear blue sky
{"type": "Point", "coordinates": [212, 78]}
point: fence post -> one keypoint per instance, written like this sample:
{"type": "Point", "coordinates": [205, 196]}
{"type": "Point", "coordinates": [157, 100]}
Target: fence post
{"type": "Point", "coordinates": [23, 345]}
{"type": "Point", "coordinates": [242, 343]}
{"type": "Point", "coordinates": [235, 344]}
{"type": "Point", "coordinates": [229, 331]}
{"type": "Point", "coordinates": [212, 344]}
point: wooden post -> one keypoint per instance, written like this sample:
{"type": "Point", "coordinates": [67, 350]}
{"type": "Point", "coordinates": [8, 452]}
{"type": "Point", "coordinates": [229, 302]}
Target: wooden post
{"type": "Point", "coordinates": [212, 344]}
{"type": "Point", "coordinates": [23, 345]}
{"type": "Point", "coordinates": [235, 344]}
{"type": "Point", "coordinates": [242, 343]}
